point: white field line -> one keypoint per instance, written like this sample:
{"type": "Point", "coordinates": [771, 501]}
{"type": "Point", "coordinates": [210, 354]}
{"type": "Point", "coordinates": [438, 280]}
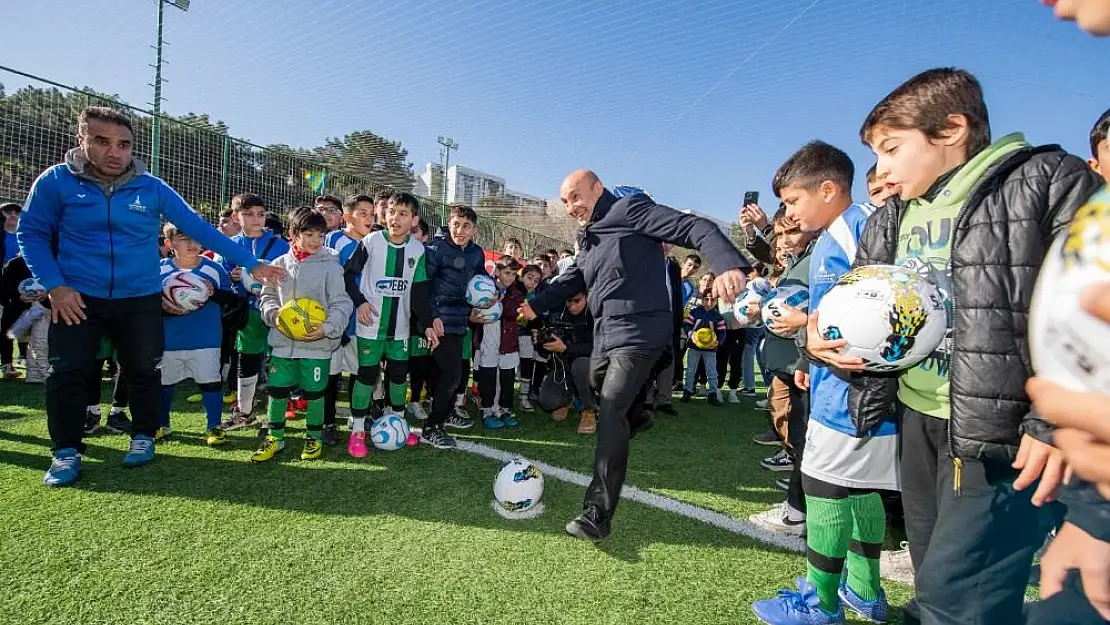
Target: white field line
{"type": "Point", "coordinates": [648, 498]}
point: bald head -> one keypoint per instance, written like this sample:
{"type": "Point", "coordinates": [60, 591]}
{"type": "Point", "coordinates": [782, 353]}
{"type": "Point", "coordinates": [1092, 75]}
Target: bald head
{"type": "Point", "coordinates": [580, 192]}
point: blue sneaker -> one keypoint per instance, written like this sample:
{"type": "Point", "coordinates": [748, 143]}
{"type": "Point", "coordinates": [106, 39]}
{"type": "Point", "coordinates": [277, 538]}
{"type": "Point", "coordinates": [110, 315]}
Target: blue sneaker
{"type": "Point", "coordinates": [877, 611]}
{"type": "Point", "coordinates": [509, 419]}
{"type": "Point", "coordinates": [140, 453]}
{"type": "Point", "coordinates": [491, 422]}
{"type": "Point", "coordinates": [796, 608]}
{"type": "Point", "coordinates": [64, 469]}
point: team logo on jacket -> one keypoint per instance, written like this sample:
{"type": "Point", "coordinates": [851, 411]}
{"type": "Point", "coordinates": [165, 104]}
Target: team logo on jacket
{"type": "Point", "coordinates": [391, 287]}
{"type": "Point", "coordinates": [412, 263]}
{"type": "Point", "coordinates": [137, 205]}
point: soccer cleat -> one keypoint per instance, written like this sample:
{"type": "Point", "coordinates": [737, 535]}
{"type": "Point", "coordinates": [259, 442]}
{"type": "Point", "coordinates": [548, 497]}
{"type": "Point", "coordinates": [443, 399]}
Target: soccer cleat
{"type": "Point", "coordinates": [801, 607]}
{"type": "Point", "coordinates": [215, 437]}
{"type": "Point", "coordinates": [356, 445]}
{"type": "Point", "coordinates": [330, 434]}
{"type": "Point", "coordinates": [92, 422]}
{"type": "Point", "coordinates": [141, 452]}
{"type": "Point", "coordinates": [590, 525]}
{"type": "Point", "coordinates": [459, 421]}
{"type": "Point", "coordinates": [781, 461]}
{"type": "Point", "coordinates": [118, 423]}
{"type": "Point", "coordinates": [490, 421]}
{"type": "Point", "coordinates": [270, 446]}
{"type": "Point", "coordinates": [877, 611]}
{"type": "Point", "coordinates": [163, 433]}
{"type": "Point", "coordinates": [417, 412]}
{"type": "Point", "coordinates": [229, 399]}
{"type": "Point", "coordinates": [194, 399]}
{"type": "Point", "coordinates": [412, 441]}
{"type": "Point", "coordinates": [767, 437]}
{"type": "Point", "coordinates": [776, 520]}
{"type": "Point", "coordinates": [437, 438]}
{"type": "Point", "coordinates": [238, 421]}
{"type": "Point", "coordinates": [312, 449]}
{"type": "Point", "coordinates": [65, 468]}
{"type": "Point", "coordinates": [587, 422]}
{"type": "Point", "coordinates": [509, 419]}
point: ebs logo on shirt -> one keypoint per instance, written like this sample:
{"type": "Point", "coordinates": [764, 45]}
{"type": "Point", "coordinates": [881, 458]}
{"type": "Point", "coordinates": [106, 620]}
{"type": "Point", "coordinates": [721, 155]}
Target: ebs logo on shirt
{"type": "Point", "coordinates": [391, 287]}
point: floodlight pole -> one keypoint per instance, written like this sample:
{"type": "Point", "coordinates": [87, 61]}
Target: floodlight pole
{"type": "Point", "coordinates": [448, 145]}
{"type": "Point", "coordinates": [156, 131]}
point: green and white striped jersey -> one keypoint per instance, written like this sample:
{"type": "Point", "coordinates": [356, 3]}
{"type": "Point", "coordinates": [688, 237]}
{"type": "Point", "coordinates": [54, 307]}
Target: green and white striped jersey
{"type": "Point", "coordinates": [389, 273]}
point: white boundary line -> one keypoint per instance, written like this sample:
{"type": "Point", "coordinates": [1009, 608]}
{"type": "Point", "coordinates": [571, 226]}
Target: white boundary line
{"type": "Point", "coordinates": [716, 519]}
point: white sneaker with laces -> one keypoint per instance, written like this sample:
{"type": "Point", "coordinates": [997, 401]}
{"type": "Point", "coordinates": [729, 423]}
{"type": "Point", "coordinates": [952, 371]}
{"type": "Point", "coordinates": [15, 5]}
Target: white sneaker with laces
{"type": "Point", "coordinates": [775, 520]}
{"type": "Point", "coordinates": [417, 412]}
{"type": "Point", "coordinates": [732, 397]}
{"type": "Point", "coordinates": [761, 403]}
{"type": "Point", "coordinates": [896, 565]}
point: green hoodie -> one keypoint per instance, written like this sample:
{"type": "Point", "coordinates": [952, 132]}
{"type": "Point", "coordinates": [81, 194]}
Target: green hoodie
{"type": "Point", "coordinates": [925, 244]}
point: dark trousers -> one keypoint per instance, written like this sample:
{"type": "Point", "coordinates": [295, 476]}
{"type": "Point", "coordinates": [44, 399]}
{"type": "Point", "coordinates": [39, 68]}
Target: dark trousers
{"type": "Point", "coordinates": [797, 422]}
{"type": "Point", "coordinates": [1067, 607]}
{"type": "Point", "coordinates": [7, 318]}
{"type": "Point", "coordinates": [680, 362]}
{"type": "Point", "coordinates": [488, 379]}
{"type": "Point", "coordinates": [449, 362]}
{"type": "Point", "coordinates": [972, 552]}
{"type": "Point", "coordinates": [420, 369]}
{"type": "Point", "coordinates": [134, 326]}
{"type": "Point", "coordinates": [619, 377]}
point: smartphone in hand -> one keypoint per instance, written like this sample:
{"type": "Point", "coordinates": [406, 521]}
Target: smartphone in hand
{"type": "Point", "coordinates": [751, 197]}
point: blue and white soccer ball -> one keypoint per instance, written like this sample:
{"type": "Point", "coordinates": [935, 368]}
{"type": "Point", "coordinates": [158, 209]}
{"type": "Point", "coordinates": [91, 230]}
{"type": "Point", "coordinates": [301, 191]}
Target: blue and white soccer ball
{"type": "Point", "coordinates": [481, 291]}
{"type": "Point", "coordinates": [493, 313]}
{"type": "Point", "coordinates": [518, 489]}
{"type": "Point", "coordinates": [750, 298]}
{"type": "Point", "coordinates": [31, 287]}
{"type": "Point", "coordinates": [252, 286]}
{"type": "Point", "coordinates": [389, 432]}
{"type": "Point", "coordinates": [789, 295]}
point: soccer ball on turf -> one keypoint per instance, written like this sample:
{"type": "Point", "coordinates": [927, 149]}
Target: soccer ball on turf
{"type": "Point", "coordinates": [252, 286]}
{"type": "Point", "coordinates": [518, 489]}
{"type": "Point", "coordinates": [184, 292]}
{"type": "Point", "coordinates": [1068, 345]}
{"type": "Point", "coordinates": [890, 316]}
{"type": "Point", "coordinates": [296, 318]}
{"type": "Point", "coordinates": [788, 295]}
{"type": "Point", "coordinates": [31, 287]}
{"type": "Point", "coordinates": [481, 291]}
{"type": "Point", "coordinates": [389, 432]}
{"type": "Point", "coordinates": [493, 313]}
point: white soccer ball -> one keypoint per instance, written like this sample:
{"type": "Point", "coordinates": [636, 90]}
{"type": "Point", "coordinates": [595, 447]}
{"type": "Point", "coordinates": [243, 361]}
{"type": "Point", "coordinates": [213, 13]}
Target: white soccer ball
{"type": "Point", "coordinates": [788, 295]}
{"type": "Point", "coordinates": [389, 432]}
{"type": "Point", "coordinates": [31, 287]}
{"type": "Point", "coordinates": [493, 313]}
{"type": "Point", "coordinates": [751, 298]}
{"type": "Point", "coordinates": [891, 317]}
{"type": "Point", "coordinates": [481, 291]}
{"type": "Point", "coordinates": [1068, 345]}
{"type": "Point", "coordinates": [184, 292]}
{"type": "Point", "coordinates": [252, 286]}
{"type": "Point", "coordinates": [518, 489]}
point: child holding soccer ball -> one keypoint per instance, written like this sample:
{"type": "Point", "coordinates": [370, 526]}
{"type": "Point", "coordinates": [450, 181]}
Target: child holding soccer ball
{"type": "Point", "coordinates": [312, 272]}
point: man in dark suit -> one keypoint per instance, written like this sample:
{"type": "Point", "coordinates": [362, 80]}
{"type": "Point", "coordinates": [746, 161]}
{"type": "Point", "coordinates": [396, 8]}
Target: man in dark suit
{"type": "Point", "coordinates": [619, 264]}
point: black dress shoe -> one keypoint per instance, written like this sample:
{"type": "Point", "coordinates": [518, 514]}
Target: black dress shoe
{"type": "Point", "coordinates": [667, 409]}
{"type": "Point", "coordinates": [641, 424]}
{"type": "Point", "coordinates": [590, 525]}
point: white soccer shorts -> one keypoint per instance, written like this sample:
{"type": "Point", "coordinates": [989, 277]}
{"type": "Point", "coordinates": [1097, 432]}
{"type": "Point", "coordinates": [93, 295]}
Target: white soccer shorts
{"type": "Point", "coordinates": [202, 365]}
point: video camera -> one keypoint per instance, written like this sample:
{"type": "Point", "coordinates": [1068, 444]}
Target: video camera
{"type": "Point", "coordinates": [554, 328]}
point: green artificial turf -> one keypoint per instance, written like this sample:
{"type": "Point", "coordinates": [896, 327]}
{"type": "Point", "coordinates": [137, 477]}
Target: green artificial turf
{"type": "Point", "coordinates": [203, 536]}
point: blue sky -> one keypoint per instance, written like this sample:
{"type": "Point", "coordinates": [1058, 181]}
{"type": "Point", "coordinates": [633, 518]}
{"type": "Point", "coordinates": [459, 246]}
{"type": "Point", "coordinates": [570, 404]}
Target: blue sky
{"type": "Point", "coordinates": [696, 101]}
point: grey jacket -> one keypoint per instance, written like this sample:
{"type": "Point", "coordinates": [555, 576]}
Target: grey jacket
{"type": "Point", "coordinates": [318, 277]}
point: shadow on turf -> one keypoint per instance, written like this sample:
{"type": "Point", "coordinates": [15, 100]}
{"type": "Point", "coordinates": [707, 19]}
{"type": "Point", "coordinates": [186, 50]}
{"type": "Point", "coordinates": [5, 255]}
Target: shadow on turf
{"type": "Point", "coordinates": [439, 487]}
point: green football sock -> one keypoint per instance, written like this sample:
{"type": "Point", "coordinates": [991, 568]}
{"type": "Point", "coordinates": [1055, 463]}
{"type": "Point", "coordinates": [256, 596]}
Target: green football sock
{"type": "Point", "coordinates": [314, 418]}
{"type": "Point", "coordinates": [868, 532]}
{"type": "Point", "coordinates": [829, 527]}
{"type": "Point", "coordinates": [275, 413]}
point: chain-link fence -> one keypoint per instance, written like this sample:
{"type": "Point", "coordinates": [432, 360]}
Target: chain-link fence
{"type": "Point", "coordinates": [199, 159]}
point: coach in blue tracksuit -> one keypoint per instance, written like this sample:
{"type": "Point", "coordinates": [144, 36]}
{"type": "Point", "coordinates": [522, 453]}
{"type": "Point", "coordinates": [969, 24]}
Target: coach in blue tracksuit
{"type": "Point", "coordinates": [89, 233]}
{"type": "Point", "coordinates": [619, 263]}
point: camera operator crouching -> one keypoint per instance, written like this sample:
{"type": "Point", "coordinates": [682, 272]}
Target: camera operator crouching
{"type": "Point", "coordinates": [569, 338]}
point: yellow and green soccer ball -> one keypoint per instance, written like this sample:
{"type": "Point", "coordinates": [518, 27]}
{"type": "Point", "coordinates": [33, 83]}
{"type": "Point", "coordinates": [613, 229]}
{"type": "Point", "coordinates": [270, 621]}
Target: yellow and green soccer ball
{"type": "Point", "coordinates": [296, 318]}
{"type": "Point", "coordinates": [705, 338]}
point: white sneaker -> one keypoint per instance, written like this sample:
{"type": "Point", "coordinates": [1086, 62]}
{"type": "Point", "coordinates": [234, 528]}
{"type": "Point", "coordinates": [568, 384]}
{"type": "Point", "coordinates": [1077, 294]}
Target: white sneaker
{"type": "Point", "coordinates": [775, 520]}
{"type": "Point", "coordinates": [699, 390]}
{"type": "Point", "coordinates": [733, 398]}
{"type": "Point", "coordinates": [761, 403]}
{"type": "Point", "coordinates": [896, 565]}
{"type": "Point", "coordinates": [417, 412]}
{"type": "Point", "coordinates": [525, 405]}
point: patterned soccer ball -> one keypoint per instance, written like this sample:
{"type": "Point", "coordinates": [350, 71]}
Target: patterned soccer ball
{"type": "Point", "coordinates": [252, 286]}
{"type": "Point", "coordinates": [891, 317]}
{"type": "Point", "coordinates": [518, 488]}
{"type": "Point", "coordinates": [389, 432]}
{"type": "Point", "coordinates": [751, 296]}
{"type": "Point", "coordinates": [184, 292]}
{"type": "Point", "coordinates": [296, 318]}
{"type": "Point", "coordinates": [31, 287]}
{"type": "Point", "coordinates": [788, 295]}
{"type": "Point", "coordinates": [481, 291]}
{"type": "Point", "coordinates": [493, 313]}
{"type": "Point", "coordinates": [1068, 345]}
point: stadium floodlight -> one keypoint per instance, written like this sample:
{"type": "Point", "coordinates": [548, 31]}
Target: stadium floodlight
{"type": "Point", "coordinates": [156, 124]}
{"type": "Point", "coordinates": [448, 145]}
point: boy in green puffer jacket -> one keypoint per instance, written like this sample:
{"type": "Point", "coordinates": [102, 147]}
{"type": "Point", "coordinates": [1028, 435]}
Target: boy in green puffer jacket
{"type": "Point", "coordinates": [311, 272]}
